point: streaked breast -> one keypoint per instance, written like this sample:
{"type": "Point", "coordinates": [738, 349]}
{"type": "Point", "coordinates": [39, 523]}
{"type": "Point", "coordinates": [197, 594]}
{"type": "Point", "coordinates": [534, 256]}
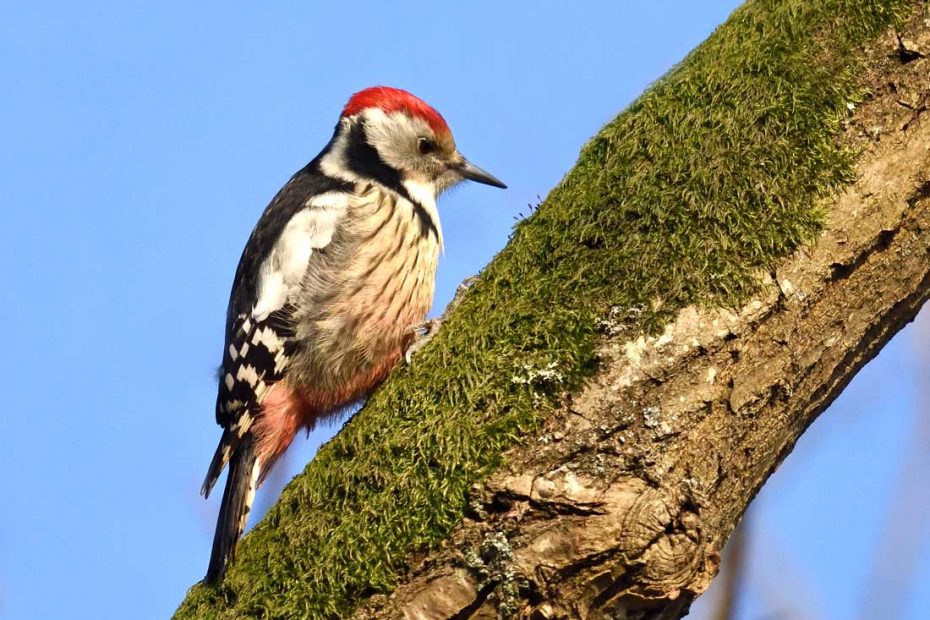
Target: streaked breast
{"type": "Point", "coordinates": [375, 282]}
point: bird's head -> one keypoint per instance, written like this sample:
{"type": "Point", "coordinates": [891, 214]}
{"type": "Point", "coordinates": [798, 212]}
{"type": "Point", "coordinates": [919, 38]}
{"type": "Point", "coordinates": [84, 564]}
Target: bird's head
{"type": "Point", "coordinates": [390, 136]}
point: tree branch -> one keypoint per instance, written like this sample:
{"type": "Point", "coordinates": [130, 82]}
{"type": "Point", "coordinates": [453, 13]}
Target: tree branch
{"type": "Point", "coordinates": [542, 459]}
{"type": "Point", "coordinates": [622, 504]}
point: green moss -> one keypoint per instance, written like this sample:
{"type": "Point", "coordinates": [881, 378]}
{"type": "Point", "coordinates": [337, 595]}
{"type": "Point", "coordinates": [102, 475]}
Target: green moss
{"type": "Point", "coordinates": [713, 174]}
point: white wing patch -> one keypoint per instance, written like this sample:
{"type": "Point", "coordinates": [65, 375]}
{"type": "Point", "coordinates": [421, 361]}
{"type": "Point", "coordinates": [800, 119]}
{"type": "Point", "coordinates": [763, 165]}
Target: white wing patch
{"type": "Point", "coordinates": [281, 273]}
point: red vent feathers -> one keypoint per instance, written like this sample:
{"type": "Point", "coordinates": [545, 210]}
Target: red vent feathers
{"type": "Point", "coordinates": [395, 100]}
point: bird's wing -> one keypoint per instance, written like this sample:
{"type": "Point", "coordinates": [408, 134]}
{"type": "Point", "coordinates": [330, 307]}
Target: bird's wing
{"type": "Point", "coordinates": [300, 220]}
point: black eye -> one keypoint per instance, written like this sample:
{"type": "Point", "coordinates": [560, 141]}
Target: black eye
{"type": "Point", "coordinates": [425, 145]}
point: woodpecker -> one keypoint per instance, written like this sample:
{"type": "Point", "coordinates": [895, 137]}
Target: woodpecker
{"type": "Point", "coordinates": [338, 271]}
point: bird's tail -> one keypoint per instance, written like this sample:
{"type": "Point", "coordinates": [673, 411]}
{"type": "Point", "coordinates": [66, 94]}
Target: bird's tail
{"type": "Point", "coordinates": [223, 451]}
{"type": "Point", "coordinates": [244, 467]}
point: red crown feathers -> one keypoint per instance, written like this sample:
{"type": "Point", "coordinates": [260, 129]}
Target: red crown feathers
{"type": "Point", "coordinates": [395, 100]}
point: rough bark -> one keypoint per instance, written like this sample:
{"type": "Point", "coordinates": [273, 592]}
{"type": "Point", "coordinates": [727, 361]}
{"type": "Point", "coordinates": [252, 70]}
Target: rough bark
{"type": "Point", "coordinates": [620, 501]}
{"type": "Point", "coordinates": [620, 507]}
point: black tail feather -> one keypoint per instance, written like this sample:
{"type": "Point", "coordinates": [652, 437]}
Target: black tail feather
{"type": "Point", "coordinates": [234, 510]}
{"type": "Point", "coordinates": [220, 457]}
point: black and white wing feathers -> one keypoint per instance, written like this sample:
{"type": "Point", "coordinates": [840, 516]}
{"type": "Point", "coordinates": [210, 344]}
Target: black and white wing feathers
{"type": "Point", "coordinates": [300, 219]}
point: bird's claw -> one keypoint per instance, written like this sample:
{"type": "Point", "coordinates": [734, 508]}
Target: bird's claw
{"type": "Point", "coordinates": [460, 291]}
{"type": "Point", "coordinates": [422, 334]}
{"type": "Point", "coordinates": [425, 331]}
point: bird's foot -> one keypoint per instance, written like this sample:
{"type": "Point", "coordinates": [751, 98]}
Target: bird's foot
{"type": "Point", "coordinates": [460, 292]}
{"type": "Point", "coordinates": [422, 334]}
{"type": "Point", "coordinates": [425, 331]}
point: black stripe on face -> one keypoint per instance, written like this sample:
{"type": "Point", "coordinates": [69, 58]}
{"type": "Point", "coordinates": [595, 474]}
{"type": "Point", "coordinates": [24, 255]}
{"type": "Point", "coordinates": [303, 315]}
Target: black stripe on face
{"type": "Point", "coordinates": [363, 159]}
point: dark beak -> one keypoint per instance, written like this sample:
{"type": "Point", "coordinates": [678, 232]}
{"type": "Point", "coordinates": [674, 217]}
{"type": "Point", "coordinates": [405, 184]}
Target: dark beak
{"type": "Point", "coordinates": [472, 172]}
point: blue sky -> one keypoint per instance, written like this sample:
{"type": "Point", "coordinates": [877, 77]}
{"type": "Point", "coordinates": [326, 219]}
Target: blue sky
{"type": "Point", "coordinates": [140, 144]}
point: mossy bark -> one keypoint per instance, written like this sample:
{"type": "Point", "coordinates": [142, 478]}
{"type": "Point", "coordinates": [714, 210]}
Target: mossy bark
{"type": "Point", "coordinates": [595, 416]}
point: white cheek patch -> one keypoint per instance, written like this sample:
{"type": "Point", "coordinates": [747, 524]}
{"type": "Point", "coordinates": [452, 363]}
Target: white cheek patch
{"type": "Point", "coordinates": [389, 133]}
{"type": "Point", "coordinates": [394, 136]}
